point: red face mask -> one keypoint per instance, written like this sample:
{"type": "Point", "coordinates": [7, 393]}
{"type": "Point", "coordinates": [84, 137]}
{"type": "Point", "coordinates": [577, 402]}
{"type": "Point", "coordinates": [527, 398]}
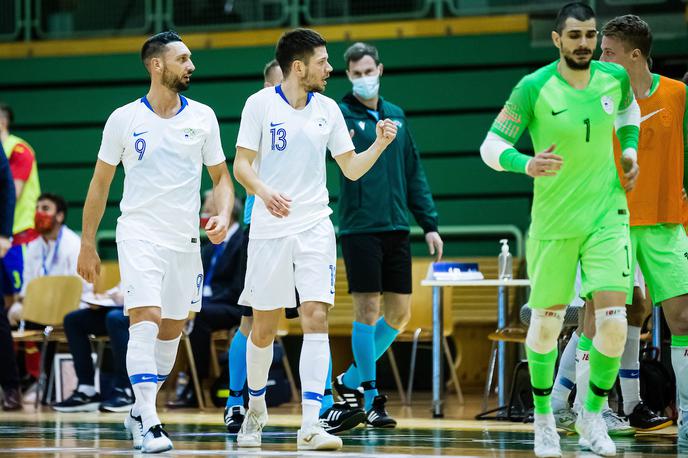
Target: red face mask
{"type": "Point", "coordinates": [204, 220]}
{"type": "Point", "coordinates": [44, 222]}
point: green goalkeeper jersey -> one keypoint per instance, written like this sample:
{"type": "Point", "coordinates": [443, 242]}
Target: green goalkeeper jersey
{"type": "Point", "coordinates": [586, 193]}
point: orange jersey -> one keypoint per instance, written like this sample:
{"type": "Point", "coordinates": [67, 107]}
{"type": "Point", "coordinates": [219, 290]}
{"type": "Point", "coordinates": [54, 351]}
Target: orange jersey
{"type": "Point", "coordinates": [656, 197]}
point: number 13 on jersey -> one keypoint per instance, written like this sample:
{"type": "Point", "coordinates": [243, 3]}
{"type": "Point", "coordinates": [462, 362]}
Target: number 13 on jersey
{"type": "Point", "coordinates": [279, 139]}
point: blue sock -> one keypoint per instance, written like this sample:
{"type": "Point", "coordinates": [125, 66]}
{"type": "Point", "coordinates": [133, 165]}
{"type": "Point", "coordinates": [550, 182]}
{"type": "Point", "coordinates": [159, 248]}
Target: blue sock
{"type": "Point", "coordinates": [237, 369]}
{"type": "Point", "coordinates": [327, 400]}
{"type": "Point", "coordinates": [363, 345]}
{"type": "Point", "coordinates": [384, 336]}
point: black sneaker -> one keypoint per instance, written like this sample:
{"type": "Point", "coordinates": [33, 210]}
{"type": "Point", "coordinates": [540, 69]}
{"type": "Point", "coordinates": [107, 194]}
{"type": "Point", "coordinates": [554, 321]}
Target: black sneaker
{"type": "Point", "coordinates": [79, 402]}
{"type": "Point", "coordinates": [377, 416]}
{"type": "Point", "coordinates": [121, 401]}
{"type": "Point", "coordinates": [644, 419]}
{"type": "Point", "coordinates": [340, 417]}
{"type": "Point", "coordinates": [234, 417]}
{"type": "Point", "coordinates": [352, 396]}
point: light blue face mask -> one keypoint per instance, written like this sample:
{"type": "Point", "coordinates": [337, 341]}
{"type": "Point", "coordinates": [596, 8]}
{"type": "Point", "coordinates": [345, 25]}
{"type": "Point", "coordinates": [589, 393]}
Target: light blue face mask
{"type": "Point", "coordinates": [367, 87]}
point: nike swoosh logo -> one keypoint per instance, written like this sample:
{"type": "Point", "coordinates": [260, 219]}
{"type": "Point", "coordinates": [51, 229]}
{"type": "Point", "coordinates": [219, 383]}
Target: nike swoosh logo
{"type": "Point", "coordinates": [146, 379]}
{"type": "Point", "coordinates": [140, 133]}
{"type": "Point", "coordinates": [273, 124]}
{"type": "Point", "coordinates": [649, 115]}
{"type": "Point", "coordinates": [196, 302]}
{"type": "Point", "coordinates": [554, 113]}
{"type": "Point", "coordinates": [625, 274]}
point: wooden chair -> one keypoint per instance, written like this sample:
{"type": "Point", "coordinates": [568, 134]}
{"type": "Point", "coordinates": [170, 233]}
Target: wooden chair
{"type": "Point", "coordinates": [109, 277]}
{"type": "Point", "coordinates": [419, 328]}
{"type": "Point", "coordinates": [47, 301]}
{"type": "Point", "coordinates": [511, 335]}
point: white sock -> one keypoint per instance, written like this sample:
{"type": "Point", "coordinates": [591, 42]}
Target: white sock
{"type": "Point", "coordinates": [258, 361]}
{"type": "Point", "coordinates": [88, 390]}
{"type": "Point", "coordinates": [143, 372]}
{"type": "Point", "coordinates": [582, 378]}
{"type": "Point", "coordinates": [629, 373]}
{"type": "Point", "coordinates": [566, 375]}
{"type": "Point", "coordinates": [165, 355]}
{"type": "Point", "coordinates": [313, 368]}
{"type": "Point", "coordinates": [679, 360]}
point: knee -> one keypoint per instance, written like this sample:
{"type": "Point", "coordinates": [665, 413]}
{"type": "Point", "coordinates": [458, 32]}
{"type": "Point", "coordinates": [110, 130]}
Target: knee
{"type": "Point", "coordinates": [612, 328]}
{"type": "Point", "coordinates": [679, 323]}
{"type": "Point", "coordinates": [71, 321]}
{"type": "Point", "coordinates": [543, 332]}
{"type": "Point", "coordinates": [367, 309]}
{"type": "Point", "coordinates": [398, 318]}
{"type": "Point", "coordinates": [114, 320]}
{"type": "Point", "coordinates": [314, 319]}
{"type": "Point", "coordinates": [262, 335]}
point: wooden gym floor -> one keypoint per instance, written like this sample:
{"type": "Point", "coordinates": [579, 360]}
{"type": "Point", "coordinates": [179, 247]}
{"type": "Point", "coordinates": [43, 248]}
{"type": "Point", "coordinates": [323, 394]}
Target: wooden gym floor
{"type": "Point", "coordinates": [47, 433]}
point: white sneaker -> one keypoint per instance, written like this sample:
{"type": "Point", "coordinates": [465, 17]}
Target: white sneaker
{"type": "Point", "coordinates": [316, 438]}
{"type": "Point", "coordinates": [566, 419]}
{"type": "Point", "coordinates": [616, 425]}
{"type": "Point", "coordinates": [251, 430]}
{"type": "Point", "coordinates": [593, 434]}
{"type": "Point", "coordinates": [135, 428]}
{"type": "Point", "coordinates": [156, 440]}
{"type": "Point", "coordinates": [546, 437]}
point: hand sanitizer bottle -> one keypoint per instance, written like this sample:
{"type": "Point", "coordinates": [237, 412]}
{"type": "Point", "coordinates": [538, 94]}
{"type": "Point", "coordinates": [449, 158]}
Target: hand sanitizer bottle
{"type": "Point", "coordinates": [505, 262]}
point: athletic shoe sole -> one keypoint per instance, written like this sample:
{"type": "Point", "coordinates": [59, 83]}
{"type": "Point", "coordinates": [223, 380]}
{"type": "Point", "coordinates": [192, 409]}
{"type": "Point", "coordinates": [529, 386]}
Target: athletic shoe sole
{"type": "Point", "coordinates": [663, 425]}
{"type": "Point", "coordinates": [120, 409]}
{"type": "Point", "coordinates": [348, 423]}
{"type": "Point", "coordinates": [90, 407]}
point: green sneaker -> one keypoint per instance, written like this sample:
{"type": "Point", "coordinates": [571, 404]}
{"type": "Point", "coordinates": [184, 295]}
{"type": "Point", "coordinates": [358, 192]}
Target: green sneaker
{"type": "Point", "coordinates": [616, 425]}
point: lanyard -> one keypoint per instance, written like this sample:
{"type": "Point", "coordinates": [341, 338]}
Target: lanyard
{"type": "Point", "coordinates": [213, 261]}
{"type": "Point", "coordinates": [46, 269]}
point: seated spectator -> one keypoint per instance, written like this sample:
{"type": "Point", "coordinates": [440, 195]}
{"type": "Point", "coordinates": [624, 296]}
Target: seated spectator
{"type": "Point", "coordinates": [55, 252]}
{"type": "Point", "coordinates": [104, 316]}
{"type": "Point", "coordinates": [222, 286]}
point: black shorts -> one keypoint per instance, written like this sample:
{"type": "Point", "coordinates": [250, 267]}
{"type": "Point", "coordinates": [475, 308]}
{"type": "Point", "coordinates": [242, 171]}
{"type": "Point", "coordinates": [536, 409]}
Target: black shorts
{"type": "Point", "coordinates": [246, 310]}
{"type": "Point", "coordinates": [378, 262]}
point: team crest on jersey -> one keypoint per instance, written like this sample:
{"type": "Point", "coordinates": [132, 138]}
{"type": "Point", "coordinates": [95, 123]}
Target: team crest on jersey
{"type": "Point", "coordinates": [321, 122]}
{"type": "Point", "coordinates": [361, 124]}
{"type": "Point", "coordinates": [189, 133]}
{"type": "Point", "coordinates": [607, 104]}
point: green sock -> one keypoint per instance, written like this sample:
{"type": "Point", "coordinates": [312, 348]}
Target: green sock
{"type": "Point", "coordinates": [584, 343]}
{"type": "Point", "coordinates": [603, 372]}
{"type": "Point", "coordinates": [541, 367]}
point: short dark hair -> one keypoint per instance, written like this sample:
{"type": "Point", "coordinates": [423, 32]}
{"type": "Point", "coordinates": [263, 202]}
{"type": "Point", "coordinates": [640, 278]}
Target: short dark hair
{"type": "Point", "coordinates": [60, 203]}
{"type": "Point", "coordinates": [7, 111]}
{"type": "Point", "coordinates": [297, 44]}
{"type": "Point", "coordinates": [577, 10]}
{"type": "Point", "coordinates": [155, 45]}
{"type": "Point", "coordinates": [632, 31]}
{"type": "Point", "coordinates": [358, 51]}
{"type": "Point", "coordinates": [269, 66]}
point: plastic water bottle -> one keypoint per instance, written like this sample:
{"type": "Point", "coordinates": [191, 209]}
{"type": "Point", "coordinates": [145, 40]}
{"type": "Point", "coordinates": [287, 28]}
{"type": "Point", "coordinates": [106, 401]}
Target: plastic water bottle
{"type": "Point", "coordinates": [505, 262]}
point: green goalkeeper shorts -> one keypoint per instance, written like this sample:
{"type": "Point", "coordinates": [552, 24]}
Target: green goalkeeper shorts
{"type": "Point", "coordinates": [662, 252]}
{"type": "Point", "coordinates": [605, 257]}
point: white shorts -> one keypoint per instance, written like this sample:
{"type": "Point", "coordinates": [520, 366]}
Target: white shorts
{"type": "Point", "coordinates": [153, 275]}
{"type": "Point", "coordinates": [639, 282]}
{"type": "Point", "coordinates": [305, 261]}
